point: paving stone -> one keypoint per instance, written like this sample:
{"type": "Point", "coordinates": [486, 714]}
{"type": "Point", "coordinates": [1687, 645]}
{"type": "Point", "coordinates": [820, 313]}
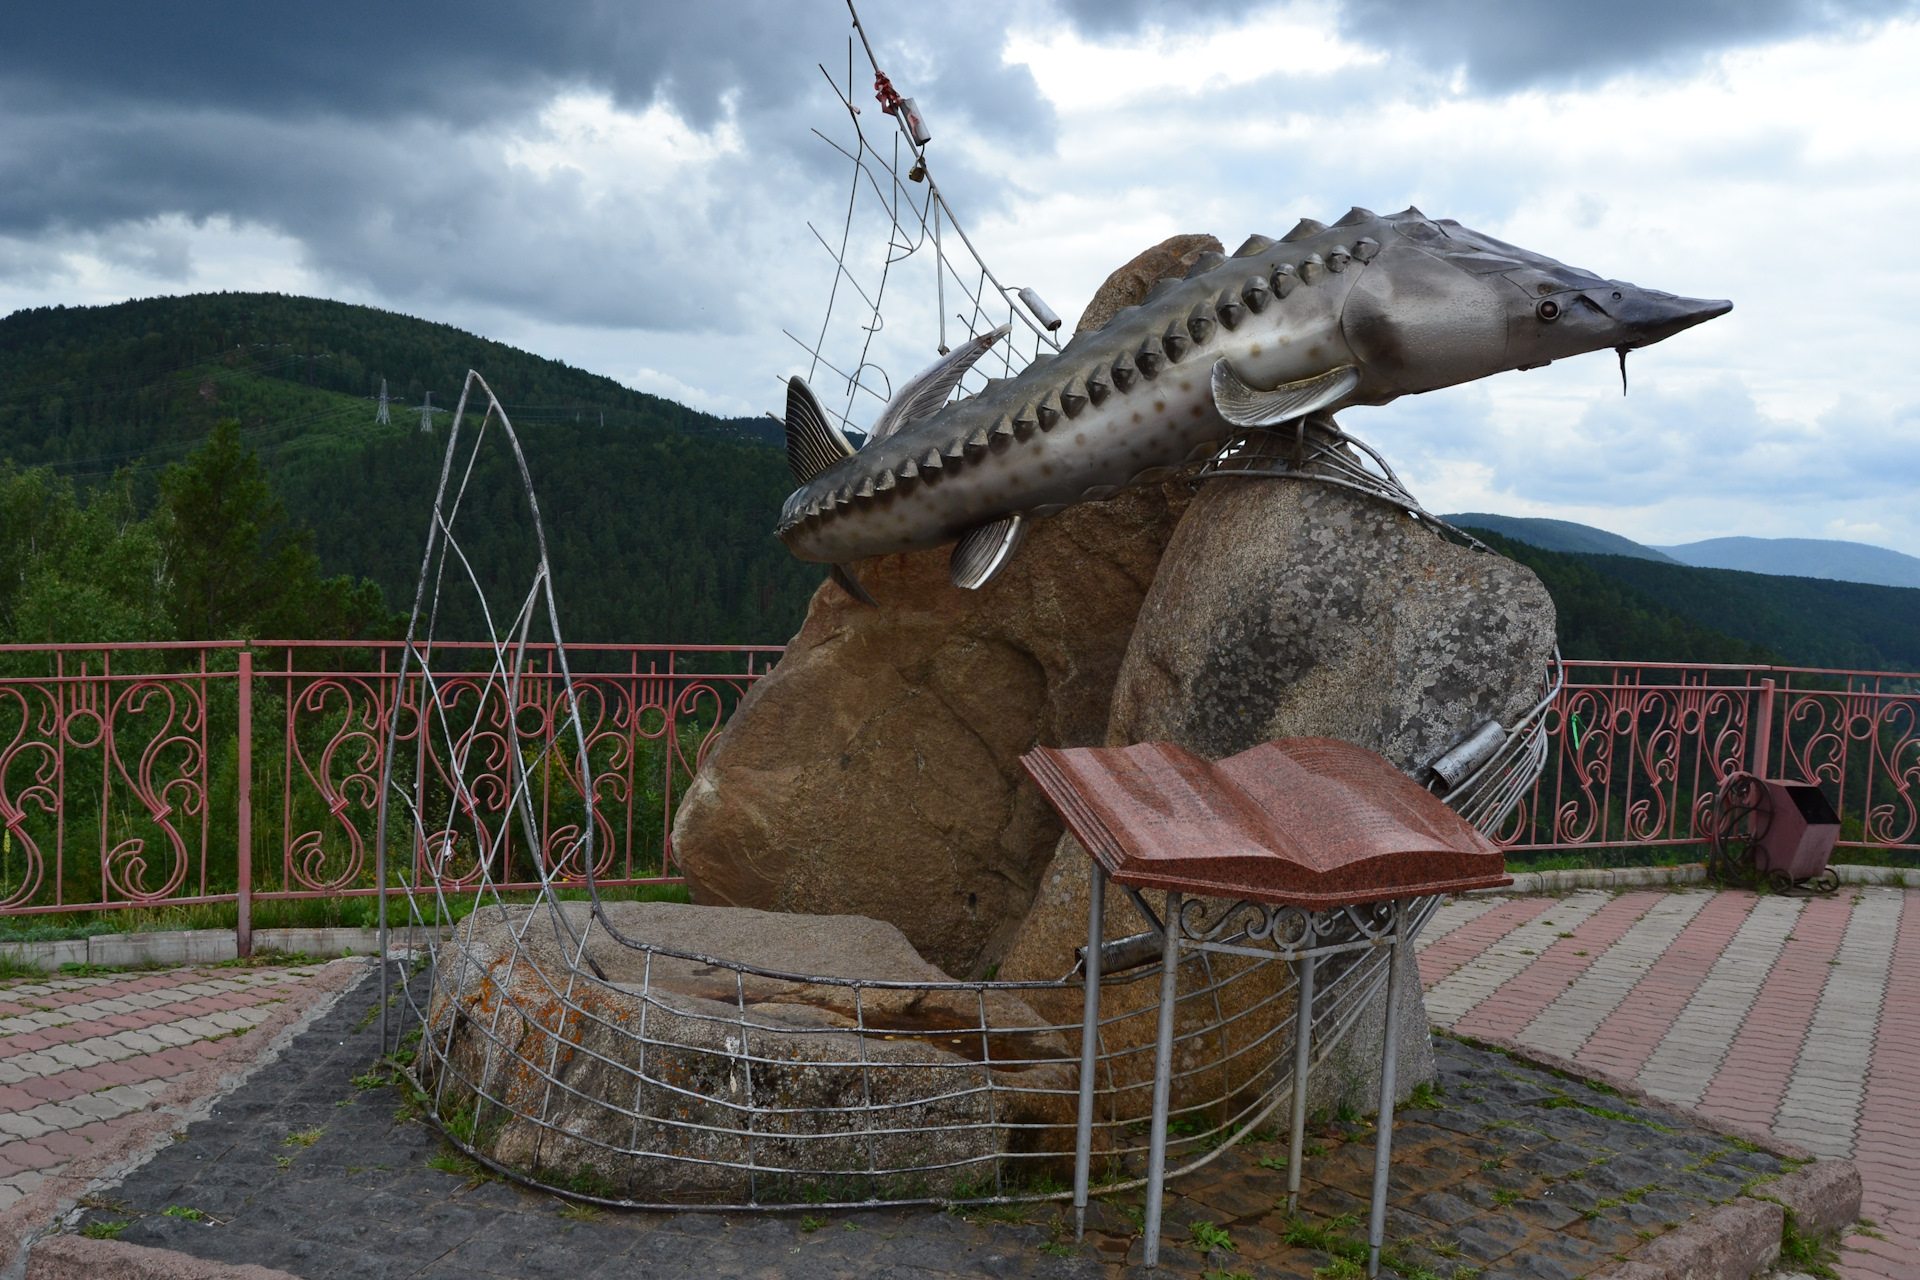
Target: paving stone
{"type": "Point", "coordinates": [1444, 1208]}
{"type": "Point", "coordinates": [362, 1201]}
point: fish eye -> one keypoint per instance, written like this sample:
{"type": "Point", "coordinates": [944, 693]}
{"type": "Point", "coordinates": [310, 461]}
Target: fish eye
{"type": "Point", "coordinates": [1548, 310]}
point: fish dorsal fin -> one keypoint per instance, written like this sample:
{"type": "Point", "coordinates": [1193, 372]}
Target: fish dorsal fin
{"type": "Point", "coordinates": [1245, 406]}
{"type": "Point", "coordinates": [979, 557]}
{"type": "Point", "coordinates": [926, 391]}
{"type": "Point", "coordinates": [813, 443]}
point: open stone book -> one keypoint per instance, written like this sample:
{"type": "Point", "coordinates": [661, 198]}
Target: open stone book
{"type": "Point", "coordinates": [1304, 822]}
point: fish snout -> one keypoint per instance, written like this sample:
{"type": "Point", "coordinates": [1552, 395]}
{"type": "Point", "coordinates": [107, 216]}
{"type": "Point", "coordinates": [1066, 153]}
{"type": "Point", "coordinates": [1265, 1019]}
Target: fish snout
{"type": "Point", "coordinates": [1646, 316]}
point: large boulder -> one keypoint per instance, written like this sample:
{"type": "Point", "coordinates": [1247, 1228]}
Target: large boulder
{"type": "Point", "coordinates": [876, 771]}
{"type": "Point", "coordinates": [642, 1084]}
{"type": "Point", "coordinates": [1285, 608]}
{"type": "Point", "coordinates": [1289, 608]}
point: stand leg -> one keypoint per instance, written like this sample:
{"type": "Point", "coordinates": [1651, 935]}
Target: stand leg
{"type": "Point", "coordinates": [1162, 1078]}
{"type": "Point", "coordinates": [1089, 1046]}
{"type": "Point", "coordinates": [1302, 1058]}
{"type": "Point", "coordinates": [1389, 1060]}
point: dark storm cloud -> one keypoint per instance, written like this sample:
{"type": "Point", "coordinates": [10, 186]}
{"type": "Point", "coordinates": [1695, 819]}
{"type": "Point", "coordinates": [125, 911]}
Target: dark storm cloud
{"type": "Point", "coordinates": [372, 134]}
{"type": "Point", "coordinates": [465, 62]}
{"type": "Point", "coordinates": [1510, 44]}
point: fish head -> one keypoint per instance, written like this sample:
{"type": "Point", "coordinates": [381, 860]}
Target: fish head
{"type": "Point", "coordinates": [1441, 304]}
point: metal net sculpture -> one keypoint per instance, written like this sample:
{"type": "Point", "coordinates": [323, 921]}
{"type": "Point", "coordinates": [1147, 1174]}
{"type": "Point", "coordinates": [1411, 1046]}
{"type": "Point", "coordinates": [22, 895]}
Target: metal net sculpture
{"type": "Point", "coordinates": [615, 1052]}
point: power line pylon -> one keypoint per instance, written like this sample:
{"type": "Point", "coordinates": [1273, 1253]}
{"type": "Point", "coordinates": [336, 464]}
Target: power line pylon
{"type": "Point", "coordinates": [381, 418]}
{"type": "Point", "coordinates": [426, 415]}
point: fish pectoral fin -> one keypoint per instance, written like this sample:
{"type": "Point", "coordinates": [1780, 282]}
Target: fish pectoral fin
{"type": "Point", "coordinates": [844, 579]}
{"type": "Point", "coordinates": [813, 442]}
{"type": "Point", "coordinates": [1246, 406]}
{"type": "Point", "coordinates": [923, 395]}
{"type": "Point", "coordinates": [979, 557]}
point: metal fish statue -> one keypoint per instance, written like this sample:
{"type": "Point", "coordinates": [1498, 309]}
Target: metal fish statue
{"type": "Point", "coordinates": [1357, 313]}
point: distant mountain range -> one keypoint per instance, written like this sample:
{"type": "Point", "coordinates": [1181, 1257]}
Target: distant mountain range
{"type": "Point", "coordinates": [1802, 558]}
{"type": "Point", "coordinates": [1558, 535]}
{"type": "Point", "coordinates": [1782, 557]}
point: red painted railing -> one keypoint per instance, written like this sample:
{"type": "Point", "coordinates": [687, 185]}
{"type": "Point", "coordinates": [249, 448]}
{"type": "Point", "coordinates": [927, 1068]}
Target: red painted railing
{"type": "Point", "coordinates": [123, 769]}
{"type": "Point", "coordinates": [1639, 749]}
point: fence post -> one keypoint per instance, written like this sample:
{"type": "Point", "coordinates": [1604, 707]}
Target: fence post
{"type": "Point", "coordinates": [243, 929]}
{"type": "Point", "coordinates": [1763, 731]}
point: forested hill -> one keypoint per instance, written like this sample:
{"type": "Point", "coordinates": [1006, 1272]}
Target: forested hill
{"type": "Point", "coordinates": [661, 516]}
{"type": "Point", "coordinates": [1623, 608]}
{"type": "Point", "coordinates": [80, 383]}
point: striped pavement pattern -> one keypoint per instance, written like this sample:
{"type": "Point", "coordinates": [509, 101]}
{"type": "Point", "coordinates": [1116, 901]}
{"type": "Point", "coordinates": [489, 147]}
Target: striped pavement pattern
{"type": "Point", "coordinates": [1797, 1016]}
{"type": "Point", "coordinates": [78, 1054]}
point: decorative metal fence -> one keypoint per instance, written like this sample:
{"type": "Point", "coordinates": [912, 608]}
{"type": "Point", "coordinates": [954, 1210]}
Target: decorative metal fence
{"type": "Point", "coordinates": [1639, 749]}
{"type": "Point", "coordinates": [123, 769]}
{"type": "Point", "coordinates": [133, 776]}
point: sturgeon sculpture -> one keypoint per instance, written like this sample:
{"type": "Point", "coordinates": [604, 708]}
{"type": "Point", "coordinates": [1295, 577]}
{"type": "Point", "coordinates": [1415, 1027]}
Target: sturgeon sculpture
{"type": "Point", "coordinates": [1358, 313]}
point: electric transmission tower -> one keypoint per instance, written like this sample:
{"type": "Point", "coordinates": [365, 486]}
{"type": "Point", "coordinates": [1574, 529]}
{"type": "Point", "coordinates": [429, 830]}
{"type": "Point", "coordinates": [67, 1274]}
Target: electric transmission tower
{"type": "Point", "coordinates": [426, 415]}
{"type": "Point", "coordinates": [381, 417]}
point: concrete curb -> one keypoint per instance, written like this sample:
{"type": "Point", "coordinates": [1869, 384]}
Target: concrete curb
{"type": "Point", "coordinates": [194, 946]}
{"type": "Point", "coordinates": [76, 1258]}
{"type": "Point", "coordinates": [1525, 882]}
{"type": "Point", "coordinates": [1733, 1241]}
{"type": "Point", "coordinates": [187, 1099]}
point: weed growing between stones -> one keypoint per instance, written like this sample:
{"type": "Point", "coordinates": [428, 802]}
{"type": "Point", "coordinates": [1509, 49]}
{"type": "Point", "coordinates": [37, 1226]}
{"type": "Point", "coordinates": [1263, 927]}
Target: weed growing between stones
{"type": "Point", "coordinates": [1425, 1097]}
{"type": "Point", "coordinates": [303, 1137]}
{"type": "Point", "coordinates": [101, 1230]}
{"type": "Point", "coordinates": [811, 1222]}
{"type": "Point", "coordinates": [581, 1212]}
{"type": "Point", "coordinates": [1208, 1236]}
{"type": "Point", "coordinates": [1806, 1251]}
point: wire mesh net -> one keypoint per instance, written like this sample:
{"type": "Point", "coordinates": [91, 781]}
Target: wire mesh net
{"type": "Point", "coordinates": [902, 264]}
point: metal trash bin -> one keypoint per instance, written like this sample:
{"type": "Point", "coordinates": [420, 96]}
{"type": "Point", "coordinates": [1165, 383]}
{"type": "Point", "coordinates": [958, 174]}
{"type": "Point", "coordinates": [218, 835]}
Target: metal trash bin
{"type": "Point", "coordinates": [1800, 839]}
{"type": "Point", "coordinates": [1783, 832]}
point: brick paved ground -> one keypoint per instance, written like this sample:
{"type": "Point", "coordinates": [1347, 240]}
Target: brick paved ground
{"type": "Point", "coordinates": [1801, 1017]}
{"type": "Point", "coordinates": [80, 1056]}
{"type": "Point", "coordinates": [1514, 1174]}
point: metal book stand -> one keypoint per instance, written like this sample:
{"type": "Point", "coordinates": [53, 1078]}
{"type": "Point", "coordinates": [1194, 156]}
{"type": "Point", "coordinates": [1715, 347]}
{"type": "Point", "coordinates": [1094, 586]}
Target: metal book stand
{"type": "Point", "coordinates": [1259, 930]}
{"type": "Point", "coordinates": [1499, 766]}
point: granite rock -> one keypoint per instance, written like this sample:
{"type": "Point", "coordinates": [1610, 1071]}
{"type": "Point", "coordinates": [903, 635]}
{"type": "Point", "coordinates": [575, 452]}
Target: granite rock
{"type": "Point", "coordinates": [1288, 608]}
{"type": "Point", "coordinates": [876, 771]}
{"type": "Point", "coordinates": [557, 1056]}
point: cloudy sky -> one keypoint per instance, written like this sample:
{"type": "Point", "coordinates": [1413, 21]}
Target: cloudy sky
{"type": "Point", "coordinates": [635, 188]}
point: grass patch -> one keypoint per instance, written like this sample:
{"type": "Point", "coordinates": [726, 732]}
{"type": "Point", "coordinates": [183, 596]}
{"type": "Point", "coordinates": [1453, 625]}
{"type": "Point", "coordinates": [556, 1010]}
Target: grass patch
{"type": "Point", "coordinates": [1425, 1096]}
{"type": "Point", "coordinates": [1208, 1236]}
{"type": "Point", "coordinates": [183, 1211]}
{"type": "Point", "coordinates": [581, 1212]}
{"type": "Point", "coordinates": [1329, 1237]}
{"type": "Point", "coordinates": [1806, 1251]}
{"type": "Point", "coordinates": [303, 1137]}
{"type": "Point", "coordinates": [811, 1222]}
{"type": "Point", "coordinates": [1505, 1195]}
